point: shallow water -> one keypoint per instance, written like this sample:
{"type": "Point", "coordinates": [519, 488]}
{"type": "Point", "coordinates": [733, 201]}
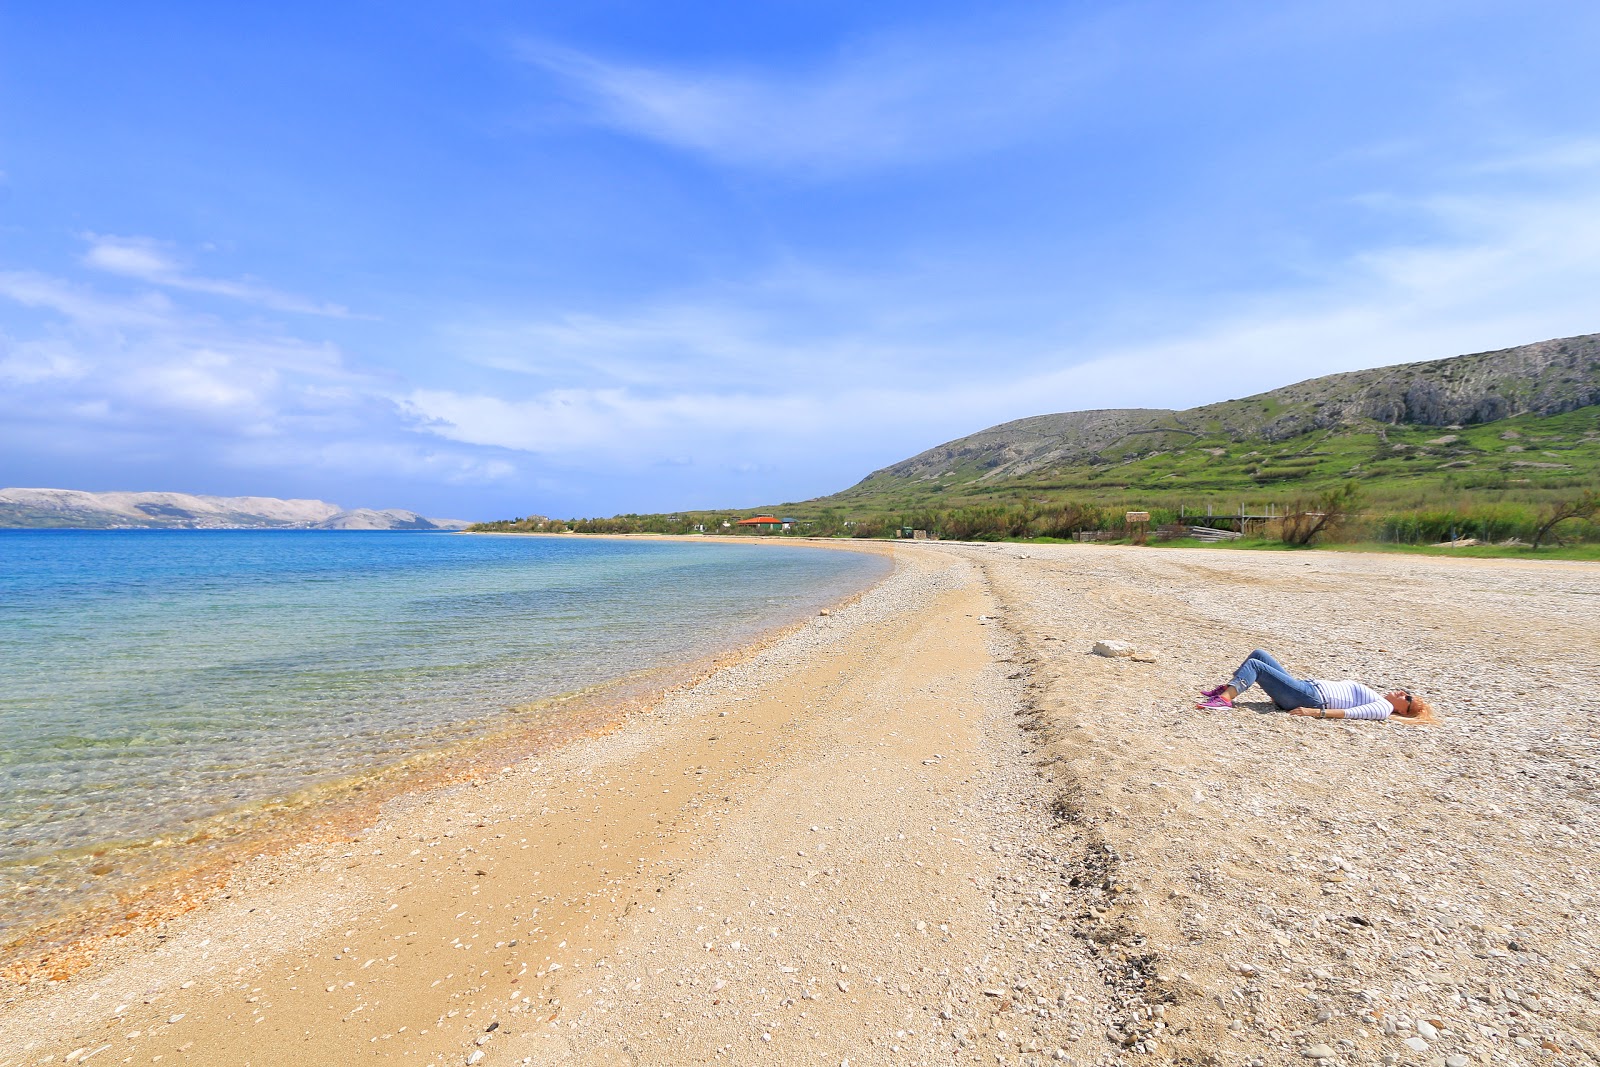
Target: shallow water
{"type": "Point", "coordinates": [149, 679]}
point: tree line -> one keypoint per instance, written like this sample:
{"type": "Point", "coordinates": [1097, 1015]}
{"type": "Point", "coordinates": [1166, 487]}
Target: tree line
{"type": "Point", "coordinates": [1336, 514]}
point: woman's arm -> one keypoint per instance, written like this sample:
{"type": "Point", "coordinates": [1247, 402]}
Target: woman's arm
{"type": "Point", "coordinates": [1376, 710]}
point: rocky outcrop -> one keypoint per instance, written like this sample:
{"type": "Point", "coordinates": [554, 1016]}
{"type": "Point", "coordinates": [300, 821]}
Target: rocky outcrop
{"type": "Point", "coordinates": [1547, 378]}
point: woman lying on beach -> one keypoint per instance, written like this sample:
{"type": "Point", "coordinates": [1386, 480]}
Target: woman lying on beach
{"type": "Point", "coordinates": [1345, 699]}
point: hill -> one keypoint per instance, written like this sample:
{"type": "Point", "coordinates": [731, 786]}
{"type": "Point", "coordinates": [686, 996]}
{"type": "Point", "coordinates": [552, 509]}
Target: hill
{"type": "Point", "coordinates": [1525, 418]}
{"type": "Point", "coordinates": [71, 508]}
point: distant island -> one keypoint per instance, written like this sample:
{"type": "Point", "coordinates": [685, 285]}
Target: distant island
{"type": "Point", "coordinates": [74, 509]}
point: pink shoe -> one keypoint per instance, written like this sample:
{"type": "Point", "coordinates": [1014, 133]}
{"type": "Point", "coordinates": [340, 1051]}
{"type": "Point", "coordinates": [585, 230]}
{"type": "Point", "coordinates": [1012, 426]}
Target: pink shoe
{"type": "Point", "coordinates": [1216, 703]}
{"type": "Point", "coordinates": [1214, 692]}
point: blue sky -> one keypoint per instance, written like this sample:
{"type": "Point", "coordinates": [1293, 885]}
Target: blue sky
{"type": "Point", "coordinates": [487, 259]}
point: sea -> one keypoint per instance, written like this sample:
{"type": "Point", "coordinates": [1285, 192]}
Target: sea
{"type": "Point", "coordinates": [152, 681]}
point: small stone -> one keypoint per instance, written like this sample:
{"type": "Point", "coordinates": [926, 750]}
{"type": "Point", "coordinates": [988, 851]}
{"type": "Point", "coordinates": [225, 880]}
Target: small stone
{"type": "Point", "coordinates": [1113, 649]}
{"type": "Point", "coordinates": [475, 1057]}
{"type": "Point", "coordinates": [1426, 1029]}
{"type": "Point", "coordinates": [1415, 1044]}
{"type": "Point", "coordinates": [1456, 1060]}
{"type": "Point", "coordinates": [1317, 1052]}
{"type": "Point", "coordinates": [844, 987]}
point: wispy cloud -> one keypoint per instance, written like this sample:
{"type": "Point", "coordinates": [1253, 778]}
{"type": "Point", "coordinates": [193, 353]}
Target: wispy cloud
{"type": "Point", "coordinates": [142, 359]}
{"type": "Point", "coordinates": [945, 88]}
{"type": "Point", "coordinates": [142, 377]}
{"type": "Point", "coordinates": [894, 98]}
{"type": "Point", "coordinates": [155, 263]}
{"type": "Point", "coordinates": [1503, 270]}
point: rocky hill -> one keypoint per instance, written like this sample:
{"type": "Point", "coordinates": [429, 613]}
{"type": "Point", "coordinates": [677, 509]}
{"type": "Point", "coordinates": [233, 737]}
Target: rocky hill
{"type": "Point", "coordinates": [1357, 421]}
{"type": "Point", "coordinates": [71, 508]}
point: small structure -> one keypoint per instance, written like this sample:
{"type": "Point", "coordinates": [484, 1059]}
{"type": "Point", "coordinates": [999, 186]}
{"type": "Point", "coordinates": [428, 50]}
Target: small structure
{"type": "Point", "coordinates": [766, 523]}
{"type": "Point", "coordinates": [1242, 522]}
{"type": "Point", "coordinates": [1139, 526]}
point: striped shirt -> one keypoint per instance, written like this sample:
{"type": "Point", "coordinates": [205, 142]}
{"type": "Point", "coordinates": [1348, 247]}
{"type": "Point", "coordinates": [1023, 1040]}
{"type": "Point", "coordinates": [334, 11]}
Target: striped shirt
{"type": "Point", "coordinates": [1354, 699]}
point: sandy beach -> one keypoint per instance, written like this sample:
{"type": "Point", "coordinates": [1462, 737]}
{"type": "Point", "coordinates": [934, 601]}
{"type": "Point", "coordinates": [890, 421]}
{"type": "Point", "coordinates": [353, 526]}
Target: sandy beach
{"type": "Point", "coordinates": [931, 827]}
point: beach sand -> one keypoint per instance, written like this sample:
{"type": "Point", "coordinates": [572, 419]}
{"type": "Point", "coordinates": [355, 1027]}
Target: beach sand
{"type": "Point", "coordinates": [929, 827]}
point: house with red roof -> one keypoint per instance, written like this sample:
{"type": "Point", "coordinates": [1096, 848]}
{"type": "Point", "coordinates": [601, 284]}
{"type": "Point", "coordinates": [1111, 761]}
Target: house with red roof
{"type": "Point", "coordinates": [766, 523]}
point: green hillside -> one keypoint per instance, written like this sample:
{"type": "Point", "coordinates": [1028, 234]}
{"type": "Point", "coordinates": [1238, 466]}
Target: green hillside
{"type": "Point", "coordinates": [1508, 421]}
{"type": "Point", "coordinates": [1480, 443]}
{"type": "Point", "coordinates": [1526, 457]}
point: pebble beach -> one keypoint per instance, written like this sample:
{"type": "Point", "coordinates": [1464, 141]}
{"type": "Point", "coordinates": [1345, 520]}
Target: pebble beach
{"type": "Point", "coordinates": [930, 826]}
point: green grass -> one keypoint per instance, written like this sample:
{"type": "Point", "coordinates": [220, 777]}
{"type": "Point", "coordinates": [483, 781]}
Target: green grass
{"type": "Point", "coordinates": [1529, 458]}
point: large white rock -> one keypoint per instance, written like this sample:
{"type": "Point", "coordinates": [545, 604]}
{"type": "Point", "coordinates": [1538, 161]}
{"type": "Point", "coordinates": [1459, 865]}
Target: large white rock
{"type": "Point", "coordinates": [1114, 649]}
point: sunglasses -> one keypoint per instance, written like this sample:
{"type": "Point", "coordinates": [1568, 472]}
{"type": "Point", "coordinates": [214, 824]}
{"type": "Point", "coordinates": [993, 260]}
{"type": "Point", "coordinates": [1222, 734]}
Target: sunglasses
{"type": "Point", "coordinates": [1409, 708]}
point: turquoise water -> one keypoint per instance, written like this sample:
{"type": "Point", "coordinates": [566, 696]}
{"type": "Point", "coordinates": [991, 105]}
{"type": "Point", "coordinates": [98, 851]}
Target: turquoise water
{"type": "Point", "coordinates": [151, 678]}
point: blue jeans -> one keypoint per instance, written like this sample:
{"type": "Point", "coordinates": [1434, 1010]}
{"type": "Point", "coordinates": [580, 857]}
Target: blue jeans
{"type": "Point", "coordinates": [1285, 689]}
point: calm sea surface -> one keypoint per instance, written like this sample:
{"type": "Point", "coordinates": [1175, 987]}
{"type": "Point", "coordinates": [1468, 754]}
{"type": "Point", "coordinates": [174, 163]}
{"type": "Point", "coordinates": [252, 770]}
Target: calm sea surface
{"type": "Point", "coordinates": [149, 678]}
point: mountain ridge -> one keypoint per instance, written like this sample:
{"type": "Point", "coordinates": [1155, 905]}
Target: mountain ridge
{"type": "Point", "coordinates": [1546, 378]}
{"type": "Point", "coordinates": [80, 509]}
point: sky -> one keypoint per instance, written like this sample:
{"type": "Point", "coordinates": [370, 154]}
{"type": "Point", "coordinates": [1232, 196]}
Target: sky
{"type": "Point", "coordinates": [493, 259]}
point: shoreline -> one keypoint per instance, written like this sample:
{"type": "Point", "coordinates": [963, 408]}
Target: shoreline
{"type": "Point", "coordinates": [168, 878]}
{"type": "Point", "coordinates": [932, 827]}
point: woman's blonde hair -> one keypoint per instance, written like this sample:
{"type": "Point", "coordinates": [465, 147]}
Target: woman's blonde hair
{"type": "Point", "coordinates": [1422, 713]}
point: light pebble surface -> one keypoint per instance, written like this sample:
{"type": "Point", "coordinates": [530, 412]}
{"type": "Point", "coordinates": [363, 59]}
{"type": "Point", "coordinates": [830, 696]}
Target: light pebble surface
{"type": "Point", "coordinates": [1350, 885]}
{"type": "Point", "coordinates": [932, 827]}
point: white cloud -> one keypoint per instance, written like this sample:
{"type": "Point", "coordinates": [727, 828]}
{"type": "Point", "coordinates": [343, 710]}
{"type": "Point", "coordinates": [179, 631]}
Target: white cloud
{"type": "Point", "coordinates": [36, 362]}
{"type": "Point", "coordinates": [951, 87]}
{"type": "Point", "coordinates": [885, 100]}
{"type": "Point", "coordinates": [142, 361]}
{"type": "Point", "coordinates": [85, 306]}
{"type": "Point", "coordinates": [1505, 271]}
{"type": "Point", "coordinates": [111, 377]}
{"type": "Point", "coordinates": [151, 261]}
{"type": "Point", "coordinates": [424, 461]}
{"type": "Point", "coordinates": [138, 257]}
{"type": "Point", "coordinates": [1550, 157]}
{"type": "Point", "coordinates": [606, 421]}
{"type": "Point", "coordinates": [1514, 272]}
